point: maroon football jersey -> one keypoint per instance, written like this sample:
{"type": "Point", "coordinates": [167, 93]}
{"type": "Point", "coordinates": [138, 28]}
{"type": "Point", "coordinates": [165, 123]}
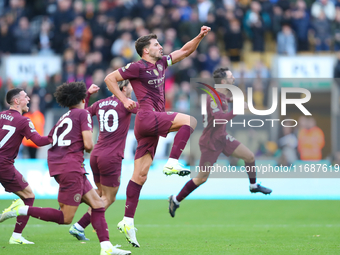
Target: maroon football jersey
{"type": "Point", "coordinates": [13, 128]}
{"type": "Point", "coordinates": [68, 145]}
{"type": "Point", "coordinates": [148, 82]}
{"type": "Point", "coordinates": [114, 121]}
{"type": "Point", "coordinates": [212, 135]}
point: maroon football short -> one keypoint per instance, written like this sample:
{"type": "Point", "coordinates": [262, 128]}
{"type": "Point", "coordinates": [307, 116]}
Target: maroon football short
{"type": "Point", "coordinates": [12, 179]}
{"type": "Point", "coordinates": [209, 157]}
{"type": "Point", "coordinates": [72, 187]}
{"type": "Point", "coordinates": [149, 125]}
{"type": "Point", "coordinates": [106, 170]}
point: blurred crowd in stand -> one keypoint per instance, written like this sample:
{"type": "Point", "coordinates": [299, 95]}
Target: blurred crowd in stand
{"type": "Point", "coordinates": [95, 37]}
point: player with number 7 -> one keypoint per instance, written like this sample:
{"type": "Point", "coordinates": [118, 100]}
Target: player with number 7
{"type": "Point", "coordinates": [13, 128]}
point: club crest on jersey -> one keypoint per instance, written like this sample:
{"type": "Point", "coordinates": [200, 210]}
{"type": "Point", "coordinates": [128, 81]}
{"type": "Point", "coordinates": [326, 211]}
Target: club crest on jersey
{"type": "Point", "coordinates": [160, 67]}
{"type": "Point", "coordinates": [155, 72]}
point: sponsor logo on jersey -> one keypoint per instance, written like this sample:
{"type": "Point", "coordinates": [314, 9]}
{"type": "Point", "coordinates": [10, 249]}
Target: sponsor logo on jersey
{"type": "Point", "coordinates": [23, 180]}
{"type": "Point", "coordinates": [155, 72]}
{"type": "Point", "coordinates": [89, 118]}
{"type": "Point", "coordinates": [158, 82]}
{"type": "Point", "coordinates": [149, 72]}
{"type": "Point", "coordinates": [169, 113]}
{"type": "Point", "coordinates": [160, 67]}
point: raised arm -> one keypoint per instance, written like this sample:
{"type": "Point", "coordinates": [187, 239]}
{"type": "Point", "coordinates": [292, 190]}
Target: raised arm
{"type": "Point", "coordinates": [190, 46]}
{"type": "Point", "coordinates": [92, 90]}
{"type": "Point", "coordinates": [111, 82]}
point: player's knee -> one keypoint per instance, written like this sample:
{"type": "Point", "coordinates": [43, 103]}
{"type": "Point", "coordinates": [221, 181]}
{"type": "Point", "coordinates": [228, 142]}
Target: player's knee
{"type": "Point", "coordinates": [99, 192]}
{"type": "Point", "coordinates": [193, 122]}
{"type": "Point", "coordinates": [67, 219]}
{"type": "Point", "coordinates": [142, 179]}
{"type": "Point", "coordinates": [29, 195]}
{"type": "Point", "coordinates": [99, 203]}
{"type": "Point", "coordinates": [112, 200]}
{"type": "Point", "coordinates": [250, 158]}
{"type": "Point", "coordinates": [200, 181]}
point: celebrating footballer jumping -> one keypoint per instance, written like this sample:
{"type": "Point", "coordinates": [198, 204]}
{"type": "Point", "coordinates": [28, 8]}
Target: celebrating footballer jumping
{"type": "Point", "coordinates": [147, 77]}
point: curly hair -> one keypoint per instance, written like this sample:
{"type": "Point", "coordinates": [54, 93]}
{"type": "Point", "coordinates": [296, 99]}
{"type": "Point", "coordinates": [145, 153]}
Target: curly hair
{"type": "Point", "coordinates": [70, 94]}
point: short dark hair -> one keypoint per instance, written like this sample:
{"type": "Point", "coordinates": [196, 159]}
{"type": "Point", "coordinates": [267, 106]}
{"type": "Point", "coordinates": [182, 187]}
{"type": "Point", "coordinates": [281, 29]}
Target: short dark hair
{"type": "Point", "coordinates": [220, 73]}
{"type": "Point", "coordinates": [142, 42]}
{"type": "Point", "coordinates": [70, 94]}
{"type": "Point", "coordinates": [122, 84]}
{"type": "Point", "coordinates": [11, 94]}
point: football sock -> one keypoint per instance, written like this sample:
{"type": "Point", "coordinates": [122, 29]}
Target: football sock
{"type": "Point", "coordinates": [99, 224]}
{"type": "Point", "coordinates": [78, 227]}
{"type": "Point", "coordinates": [16, 235]}
{"type": "Point", "coordinates": [180, 141]}
{"type": "Point", "coordinates": [132, 197]}
{"type": "Point", "coordinates": [175, 200]}
{"type": "Point", "coordinates": [46, 214]}
{"type": "Point", "coordinates": [172, 161]}
{"type": "Point", "coordinates": [251, 171]}
{"type": "Point", "coordinates": [84, 221]}
{"type": "Point", "coordinates": [189, 187]}
{"type": "Point", "coordinates": [22, 220]}
{"type": "Point", "coordinates": [105, 245]}
{"type": "Point", "coordinates": [253, 186]}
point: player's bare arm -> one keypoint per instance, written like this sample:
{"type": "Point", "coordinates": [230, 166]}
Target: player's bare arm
{"type": "Point", "coordinates": [87, 138]}
{"type": "Point", "coordinates": [190, 46]}
{"type": "Point", "coordinates": [111, 82]}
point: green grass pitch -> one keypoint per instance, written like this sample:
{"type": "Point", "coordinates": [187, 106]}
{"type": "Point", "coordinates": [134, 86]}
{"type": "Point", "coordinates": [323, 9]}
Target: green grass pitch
{"type": "Point", "coordinates": [200, 227]}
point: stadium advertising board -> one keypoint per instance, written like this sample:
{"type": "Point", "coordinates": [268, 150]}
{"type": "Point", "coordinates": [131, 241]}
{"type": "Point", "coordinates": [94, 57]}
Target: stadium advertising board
{"type": "Point", "coordinates": [26, 68]}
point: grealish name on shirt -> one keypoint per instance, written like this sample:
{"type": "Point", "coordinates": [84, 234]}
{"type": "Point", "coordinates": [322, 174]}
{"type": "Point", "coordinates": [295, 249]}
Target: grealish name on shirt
{"type": "Point", "coordinates": [6, 117]}
{"type": "Point", "coordinates": [106, 103]}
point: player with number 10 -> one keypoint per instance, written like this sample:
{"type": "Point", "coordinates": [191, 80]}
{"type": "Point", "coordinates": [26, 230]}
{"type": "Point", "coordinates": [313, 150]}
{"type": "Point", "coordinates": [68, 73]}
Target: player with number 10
{"type": "Point", "coordinates": [107, 155]}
